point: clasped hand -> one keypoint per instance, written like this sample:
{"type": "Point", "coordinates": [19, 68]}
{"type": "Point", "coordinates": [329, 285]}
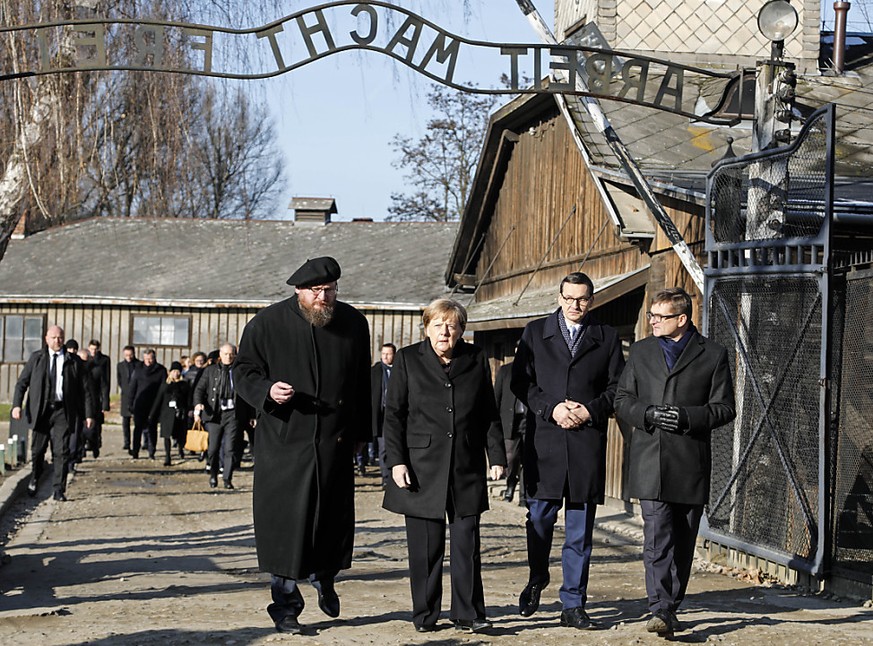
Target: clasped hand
{"type": "Point", "coordinates": [665, 418]}
{"type": "Point", "coordinates": [569, 414]}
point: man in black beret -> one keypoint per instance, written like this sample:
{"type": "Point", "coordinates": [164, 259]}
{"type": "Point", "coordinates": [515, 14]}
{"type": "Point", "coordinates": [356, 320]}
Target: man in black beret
{"type": "Point", "coordinates": [304, 363]}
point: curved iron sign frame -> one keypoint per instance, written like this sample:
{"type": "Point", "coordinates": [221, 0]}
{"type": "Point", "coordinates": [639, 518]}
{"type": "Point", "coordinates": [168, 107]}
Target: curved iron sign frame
{"type": "Point", "coordinates": [609, 74]}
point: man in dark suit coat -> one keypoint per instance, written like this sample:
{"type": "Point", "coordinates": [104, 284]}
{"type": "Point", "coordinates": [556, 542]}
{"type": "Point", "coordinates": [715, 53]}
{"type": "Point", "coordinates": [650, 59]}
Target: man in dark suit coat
{"type": "Point", "coordinates": [143, 390]}
{"type": "Point", "coordinates": [513, 420]}
{"type": "Point", "coordinates": [123, 373]}
{"type": "Point", "coordinates": [380, 373]}
{"type": "Point", "coordinates": [55, 383]}
{"type": "Point", "coordinates": [675, 390]}
{"type": "Point", "coordinates": [566, 370]}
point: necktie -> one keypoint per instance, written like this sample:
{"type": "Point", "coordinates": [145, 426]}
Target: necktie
{"type": "Point", "coordinates": [574, 330]}
{"type": "Point", "coordinates": [53, 375]}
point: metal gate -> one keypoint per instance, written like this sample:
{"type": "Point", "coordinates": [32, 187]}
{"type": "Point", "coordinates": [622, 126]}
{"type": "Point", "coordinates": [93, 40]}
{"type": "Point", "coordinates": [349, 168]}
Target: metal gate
{"type": "Point", "coordinates": [851, 445]}
{"type": "Point", "coordinates": [768, 286]}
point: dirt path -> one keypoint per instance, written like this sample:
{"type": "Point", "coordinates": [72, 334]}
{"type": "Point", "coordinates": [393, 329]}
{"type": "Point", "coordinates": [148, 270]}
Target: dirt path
{"type": "Point", "coordinates": [142, 554]}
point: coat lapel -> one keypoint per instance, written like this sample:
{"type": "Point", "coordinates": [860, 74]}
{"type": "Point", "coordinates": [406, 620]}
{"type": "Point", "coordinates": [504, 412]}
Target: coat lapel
{"type": "Point", "coordinates": [693, 350]}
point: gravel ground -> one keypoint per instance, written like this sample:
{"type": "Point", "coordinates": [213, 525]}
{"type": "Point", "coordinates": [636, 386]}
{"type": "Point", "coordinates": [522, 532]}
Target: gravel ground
{"type": "Point", "coordinates": [145, 554]}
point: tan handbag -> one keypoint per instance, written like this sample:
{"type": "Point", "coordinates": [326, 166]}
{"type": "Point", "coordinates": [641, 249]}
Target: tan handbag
{"type": "Point", "coordinates": [197, 439]}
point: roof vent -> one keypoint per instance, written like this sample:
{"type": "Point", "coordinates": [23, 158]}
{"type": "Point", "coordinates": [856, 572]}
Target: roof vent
{"type": "Point", "coordinates": [316, 210]}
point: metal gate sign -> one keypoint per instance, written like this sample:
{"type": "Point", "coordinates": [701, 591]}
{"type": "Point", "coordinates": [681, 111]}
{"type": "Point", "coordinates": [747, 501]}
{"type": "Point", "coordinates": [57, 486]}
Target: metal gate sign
{"type": "Point", "coordinates": [315, 33]}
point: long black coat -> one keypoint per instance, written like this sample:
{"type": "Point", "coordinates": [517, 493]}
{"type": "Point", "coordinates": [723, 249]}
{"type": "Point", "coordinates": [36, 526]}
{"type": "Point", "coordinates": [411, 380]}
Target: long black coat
{"type": "Point", "coordinates": [124, 376]}
{"type": "Point", "coordinates": [102, 368]}
{"type": "Point", "coordinates": [304, 508]}
{"type": "Point", "coordinates": [33, 380]}
{"type": "Point", "coordinates": [441, 426]}
{"type": "Point", "coordinates": [143, 389]}
{"type": "Point", "coordinates": [543, 375]}
{"type": "Point", "coordinates": [506, 399]}
{"type": "Point", "coordinates": [173, 420]}
{"type": "Point", "coordinates": [664, 466]}
{"type": "Point", "coordinates": [377, 413]}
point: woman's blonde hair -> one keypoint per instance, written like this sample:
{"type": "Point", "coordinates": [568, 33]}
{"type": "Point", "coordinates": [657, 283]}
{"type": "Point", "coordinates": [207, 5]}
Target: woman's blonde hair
{"type": "Point", "coordinates": [443, 308]}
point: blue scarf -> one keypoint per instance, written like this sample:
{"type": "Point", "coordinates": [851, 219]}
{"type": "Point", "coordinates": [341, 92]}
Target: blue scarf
{"type": "Point", "coordinates": [673, 349]}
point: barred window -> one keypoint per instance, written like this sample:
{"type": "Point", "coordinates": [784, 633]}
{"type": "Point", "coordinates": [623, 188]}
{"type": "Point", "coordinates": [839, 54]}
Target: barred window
{"type": "Point", "coordinates": [20, 335]}
{"type": "Point", "coordinates": [161, 330]}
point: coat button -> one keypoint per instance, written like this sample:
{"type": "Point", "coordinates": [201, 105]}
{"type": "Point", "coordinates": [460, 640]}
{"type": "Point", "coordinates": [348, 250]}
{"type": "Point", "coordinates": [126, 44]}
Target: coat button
{"type": "Point", "coordinates": [448, 384]}
{"type": "Point", "coordinates": [340, 402]}
{"type": "Point", "coordinates": [450, 435]}
{"type": "Point", "coordinates": [448, 409]}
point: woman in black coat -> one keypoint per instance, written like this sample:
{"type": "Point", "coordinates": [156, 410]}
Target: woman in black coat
{"type": "Point", "coordinates": [440, 421]}
{"type": "Point", "coordinates": [170, 410]}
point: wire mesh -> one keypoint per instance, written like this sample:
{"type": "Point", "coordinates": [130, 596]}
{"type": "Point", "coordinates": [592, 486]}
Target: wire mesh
{"type": "Point", "coordinates": [765, 465]}
{"type": "Point", "coordinates": [852, 445]}
{"type": "Point", "coordinates": [780, 197]}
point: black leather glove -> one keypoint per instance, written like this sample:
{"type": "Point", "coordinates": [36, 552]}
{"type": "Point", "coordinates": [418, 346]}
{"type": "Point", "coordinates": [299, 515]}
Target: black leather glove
{"type": "Point", "coordinates": [665, 418]}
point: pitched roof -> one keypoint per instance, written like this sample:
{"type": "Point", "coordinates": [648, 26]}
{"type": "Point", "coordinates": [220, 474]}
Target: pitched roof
{"type": "Point", "coordinates": [214, 263]}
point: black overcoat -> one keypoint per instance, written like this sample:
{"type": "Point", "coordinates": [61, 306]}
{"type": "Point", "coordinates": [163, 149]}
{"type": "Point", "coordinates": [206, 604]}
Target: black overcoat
{"type": "Point", "coordinates": [33, 380]}
{"type": "Point", "coordinates": [144, 384]}
{"type": "Point", "coordinates": [123, 377]}
{"type": "Point", "coordinates": [543, 375]}
{"type": "Point", "coordinates": [673, 467]}
{"type": "Point", "coordinates": [173, 420]}
{"type": "Point", "coordinates": [505, 399]}
{"type": "Point", "coordinates": [304, 509]}
{"type": "Point", "coordinates": [441, 426]}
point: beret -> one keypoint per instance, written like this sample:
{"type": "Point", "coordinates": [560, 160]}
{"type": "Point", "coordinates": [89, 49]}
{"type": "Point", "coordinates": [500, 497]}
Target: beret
{"type": "Point", "coordinates": [315, 271]}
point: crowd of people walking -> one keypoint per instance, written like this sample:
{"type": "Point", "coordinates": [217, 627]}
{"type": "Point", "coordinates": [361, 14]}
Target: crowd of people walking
{"type": "Point", "coordinates": [435, 422]}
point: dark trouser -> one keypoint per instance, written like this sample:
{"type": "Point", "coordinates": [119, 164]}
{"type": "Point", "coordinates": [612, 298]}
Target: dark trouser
{"type": "Point", "coordinates": [576, 553]}
{"type": "Point", "coordinates": [514, 449]}
{"type": "Point", "coordinates": [52, 427]}
{"type": "Point", "coordinates": [287, 600]}
{"type": "Point", "coordinates": [223, 438]}
{"type": "Point", "coordinates": [94, 435]}
{"type": "Point", "coordinates": [125, 431]}
{"type": "Point", "coordinates": [669, 536]}
{"type": "Point", "coordinates": [383, 461]}
{"type": "Point", "coordinates": [426, 542]}
{"type": "Point", "coordinates": [75, 443]}
{"type": "Point", "coordinates": [144, 434]}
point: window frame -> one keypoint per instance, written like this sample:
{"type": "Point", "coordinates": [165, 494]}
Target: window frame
{"type": "Point", "coordinates": [158, 315]}
{"type": "Point", "coordinates": [25, 353]}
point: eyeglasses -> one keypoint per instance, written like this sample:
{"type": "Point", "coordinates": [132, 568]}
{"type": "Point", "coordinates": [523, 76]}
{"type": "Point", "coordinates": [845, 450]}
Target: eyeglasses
{"type": "Point", "coordinates": [328, 291]}
{"type": "Point", "coordinates": [582, 300]}
{"type": "Point", "coordinates": [657, 318]}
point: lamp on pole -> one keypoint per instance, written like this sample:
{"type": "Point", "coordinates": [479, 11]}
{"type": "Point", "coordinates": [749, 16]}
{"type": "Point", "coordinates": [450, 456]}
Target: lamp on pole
{"type": "Point", "coordinates": [774, 104]}
{"type": "Point", "coordinates": [776, 79]}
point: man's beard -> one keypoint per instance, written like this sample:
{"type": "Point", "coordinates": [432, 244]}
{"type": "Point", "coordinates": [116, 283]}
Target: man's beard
{"type": "Point", "coordinates": [317, 317]}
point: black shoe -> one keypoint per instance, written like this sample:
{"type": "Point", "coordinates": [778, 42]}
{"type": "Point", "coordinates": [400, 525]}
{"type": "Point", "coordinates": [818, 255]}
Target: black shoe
{"type": "Point", "coordinates": [328, 600]}
{"type": "Point", "coordinates": [31, 486]}
{"type": "Point", "coordinates": [362, 470]}
{"type": "Point", "coordinates": [96, 453]}
{"type": "Point", "coordinates": [576, 618]}
{"type": "Point", "coordinates": [529, 599]}
{"type": "Point", "coordinates": [661, 623]}
{"type": "Point", "coordinates": [168, 462]}
{"type": "Point", "coordinates": [201, 457]}
{"type": "Point", "coordinates": [426, 628]}
{"type": "Point", "coordinates": [474, 626]}
{"type": "Point", "coordinates": [213, 482]}
{"type": "Point", "coordinates": [675, 624]}
{"type": "Point", "coordinates": [289, 625]}
{"type": "Point", "coordinates": [228, 484]}
{"type": "Point", "coordinates": [509, 494]}
{"type": "Point", "coordinates": [59, 495]}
